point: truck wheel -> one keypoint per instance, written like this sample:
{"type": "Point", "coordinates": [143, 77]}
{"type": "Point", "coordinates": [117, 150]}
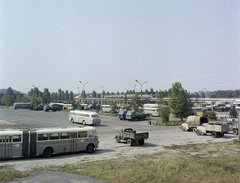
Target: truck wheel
{"type": "Point", "coordinates": [130, 142]}
{"type": "Point", "coordinates": [235, 132]}
{"type": "Point", "coordinates": [214, 135]}
{"type": "Point", "coordinates": [141, 142]}
{"type": "Point", "coordinates": [117, 139]}
{"type": "Point", "coordinates": [198, 132]}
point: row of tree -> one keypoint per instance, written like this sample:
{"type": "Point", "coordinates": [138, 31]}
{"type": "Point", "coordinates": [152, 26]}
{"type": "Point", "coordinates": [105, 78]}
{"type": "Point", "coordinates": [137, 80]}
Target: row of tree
{"type": "Point", "coordinates": [35, 97]}
{"type": "Point", "coordinates": [179, 103]}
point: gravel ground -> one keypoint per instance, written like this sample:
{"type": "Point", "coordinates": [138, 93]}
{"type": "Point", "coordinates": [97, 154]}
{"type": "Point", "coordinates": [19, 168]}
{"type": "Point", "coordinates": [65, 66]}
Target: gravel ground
{"type": "Point", "coordinates": [108, 149]}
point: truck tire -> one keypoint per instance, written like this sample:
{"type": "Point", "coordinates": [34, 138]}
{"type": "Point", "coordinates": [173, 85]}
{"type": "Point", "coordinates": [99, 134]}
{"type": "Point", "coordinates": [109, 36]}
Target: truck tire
{"type": "Point", "coordinates": [117, 139]}
{"type": "Point", "coordinates": [198, 132]}
{"type": "Point", "coordinates": [214, 134]}
{"type": "Point", "coordinates": [141, 142]}
{"type": "Point", "coordinates": [235, 132]}
{"type": "Point", "coordinates": [130, 142]}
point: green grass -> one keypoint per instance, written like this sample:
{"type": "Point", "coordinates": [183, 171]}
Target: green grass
{"type": "Point", "coordinates": [8, 173]}
{"type": "Point", "coordinates": [179, 163]}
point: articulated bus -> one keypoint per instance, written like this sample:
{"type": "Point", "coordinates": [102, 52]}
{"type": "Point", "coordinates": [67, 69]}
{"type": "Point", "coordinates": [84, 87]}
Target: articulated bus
{"type": "Point", "coordinates": [84, 117]}
{"type": "Point", "coordinates": [47, 141]}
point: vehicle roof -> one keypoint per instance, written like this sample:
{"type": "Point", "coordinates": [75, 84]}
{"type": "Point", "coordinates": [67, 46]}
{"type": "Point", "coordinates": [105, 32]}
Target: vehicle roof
{"type": "Point", "coordinates": [47, 130]}
{"type": "Point", "coordinates": [83, 111]}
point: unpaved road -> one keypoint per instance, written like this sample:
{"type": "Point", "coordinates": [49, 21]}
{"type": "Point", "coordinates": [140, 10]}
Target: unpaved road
{"type": "Point", "coordinates": [108, 148]}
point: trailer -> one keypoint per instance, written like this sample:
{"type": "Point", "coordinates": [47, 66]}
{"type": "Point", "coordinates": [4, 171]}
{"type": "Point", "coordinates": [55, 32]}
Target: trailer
{"type": "Point", "coordinates": [131, 136]}
{"type": "Point", "coordinates": [132, 116]}
{"type": "Point", "coordinates": [216, 130]}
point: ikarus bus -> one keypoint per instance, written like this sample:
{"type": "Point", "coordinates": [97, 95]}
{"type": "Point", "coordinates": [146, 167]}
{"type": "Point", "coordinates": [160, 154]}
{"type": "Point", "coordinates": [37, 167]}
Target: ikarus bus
{"type": "Point", "coordinates": [47, 141]}
{"type": "Point", "coordinates": [84, 117]}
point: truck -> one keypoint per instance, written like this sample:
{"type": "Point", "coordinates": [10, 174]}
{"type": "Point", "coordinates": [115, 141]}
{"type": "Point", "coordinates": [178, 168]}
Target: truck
{"type": "Point", "coordinates": [192, 122]}
{"type": "Point", "coordinates": [216, 130]}
{"type": "Point", "coordinates": [122, 114]}
{"type": "Point", "coordinates": [47, 108]}
{"type": "Point", "coordinates": [131, 136]}
{"type": "Point", "coordinates": [132, 116]}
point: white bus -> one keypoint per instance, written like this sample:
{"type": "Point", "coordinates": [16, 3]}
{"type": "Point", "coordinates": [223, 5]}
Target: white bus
{"type": "Point", "coordinates": [84, 117]}
{"type": "Point", "coordinates": [21, 105]}
{"type": "Point", "coordinates": [151, 109]}
{"type": "Point", "coordinates": [47, 141]}
{"type": "Point", "coordinates": [106, 108]}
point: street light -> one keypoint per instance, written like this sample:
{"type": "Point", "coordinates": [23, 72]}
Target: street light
{"type": "Point", "coordinates": [201, 94]}
{"type": "Point", "coordinates": [83, 85]}
{"type": "Point", "coordinates": [141, 86]}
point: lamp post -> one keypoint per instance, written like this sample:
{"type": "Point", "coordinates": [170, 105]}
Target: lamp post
{"type": "Point", "coordinates": [141, 86]}
{"type": "Point", "coordinates": [84, 87]}
{"type": "Point", "coordinates": [133, 88]}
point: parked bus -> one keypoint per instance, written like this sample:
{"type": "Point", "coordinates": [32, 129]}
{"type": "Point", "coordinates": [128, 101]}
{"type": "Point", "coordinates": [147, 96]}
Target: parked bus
{"type": "Point", "coordinates": [106, 108]}
{"type": "Point", "coordinates": [21, 106]}
{"type": "Point", "coordinates": [84, 117]}
{"type": "Point", "coordinates": [151, 109]}
{"type": "Point", "coordinates": [47, 141]}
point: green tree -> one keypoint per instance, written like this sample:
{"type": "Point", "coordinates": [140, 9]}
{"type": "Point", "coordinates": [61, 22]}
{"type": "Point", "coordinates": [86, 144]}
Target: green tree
{"type": "Point", "coordinates": [8, 97]}
{"type": "Point", "coordinates": [74, 104]}
{"type": "Point", "coordinates": [136, 103]}
{"type": "Point", "coordinates": [66, 95]}
{"type": "Point", "coordinates": [213, 115]}
{"type": "Point", "coordinates": [180, 101]}
{"type": "Point", "coordinates": [94, 94]}
{"type": "Point", "coordinates": [71, 96]}
{"type": "Point", "coordinates": [233, 113]}
{"type": "Point", "coordinates": [46, 95]}
{"type": "Point", "coordinates": [114, 108]}
{"type": "Point", "coordinates": [18, 97]}
{"type": "Point", "coordinates": [164, 110]}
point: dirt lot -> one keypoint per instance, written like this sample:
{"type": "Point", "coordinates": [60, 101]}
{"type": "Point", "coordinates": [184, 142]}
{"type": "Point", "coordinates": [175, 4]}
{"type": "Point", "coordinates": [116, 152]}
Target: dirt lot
{"type": "Point", "coordinates": [108, 148]}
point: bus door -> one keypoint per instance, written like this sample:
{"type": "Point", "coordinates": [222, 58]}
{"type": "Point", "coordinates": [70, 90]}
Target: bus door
{"type": "Point", "coordinates": [74, 142]}
{"type": "Point", "coordinates": [16, 145]}
{"type": "Point", "coordinates": [83, 140]}
{"type": "Point", "coordinates": [5, 147]}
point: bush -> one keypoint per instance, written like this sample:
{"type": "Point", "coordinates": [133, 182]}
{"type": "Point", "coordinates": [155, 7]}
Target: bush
{"type": "Point", "coordinates": [213, 116]}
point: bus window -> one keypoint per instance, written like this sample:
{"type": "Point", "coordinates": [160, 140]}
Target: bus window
{"type": "Point", "coordinates": [64, 135]}
{"type": "Point", "coordinates": [16, 138]}
{"type": "Point", "coordinates": [82, 134]}
{"type": "Point", "coordinates": [43, 136]}
{"type": "Point", "coordinates": [74, 135]}
{"type": "Point", "coordinates": [53, 136]}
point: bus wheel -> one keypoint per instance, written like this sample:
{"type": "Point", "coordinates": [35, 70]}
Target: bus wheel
{"type": "Point", "coordinates": [84, 123]}
{"type": "Point", "coordinates": [90, 148]}
{"type": "Point", "coordinates": [48, 152]}
{"type": "Point", "coordinates": [72, 120]}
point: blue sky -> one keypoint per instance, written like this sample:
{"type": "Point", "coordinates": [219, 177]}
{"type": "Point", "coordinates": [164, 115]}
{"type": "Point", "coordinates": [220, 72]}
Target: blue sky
{"type": "Point", "coordinates": [56, 44]}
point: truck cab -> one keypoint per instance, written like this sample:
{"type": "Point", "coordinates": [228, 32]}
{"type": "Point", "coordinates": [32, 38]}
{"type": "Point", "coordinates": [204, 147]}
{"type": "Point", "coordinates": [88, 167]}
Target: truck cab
{"type": "Point", "coordinates": [122, 114]}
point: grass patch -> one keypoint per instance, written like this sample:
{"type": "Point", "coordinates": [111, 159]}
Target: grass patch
{"type": "Point", "coordinates": [168, 166]}
{"type": "Point", "coordinates": [158, 122]}
{"type": "Point", "coordinates": [8, 173]}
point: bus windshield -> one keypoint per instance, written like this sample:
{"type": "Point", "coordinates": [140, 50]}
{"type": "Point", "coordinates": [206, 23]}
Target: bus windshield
{"type": "Point", "coordinates": [95, 116]}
